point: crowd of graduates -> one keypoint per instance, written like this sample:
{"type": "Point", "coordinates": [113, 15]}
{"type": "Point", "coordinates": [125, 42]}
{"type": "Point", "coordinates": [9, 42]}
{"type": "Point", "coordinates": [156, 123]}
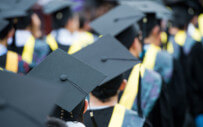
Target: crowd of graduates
{"type": "Point", "coordinates": [101, 63]}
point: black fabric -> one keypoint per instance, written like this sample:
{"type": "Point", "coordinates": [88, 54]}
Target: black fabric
{"type": "Point", "coordinates": [194, 72]}
{"type": "Point", "coordinates": [14, 48]}
{"type": "Point", "coordinates": [25, 101]}
{"type": "Point", "coordinates": [161, 115]}
{"type": "Point", "coordinates": [76, 78]}
{"type": "Point", "coordinates": [18, 50]}
{"type": "Point", "coordinates": [177, 95]}
{"type": "Point", "coordinates": [3, 61]}
{"type": "Point", "coordinates": [101, 116]}
{"type": "Point", "coordinates": [63, 47]}
{"type": "Point", "coordinates": [67, 116]}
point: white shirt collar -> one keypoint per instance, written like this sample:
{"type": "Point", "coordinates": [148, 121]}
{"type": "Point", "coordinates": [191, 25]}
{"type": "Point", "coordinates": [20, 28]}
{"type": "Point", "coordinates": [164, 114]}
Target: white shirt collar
{"type": "Point", "coordinates": [3, 50]}
{"type": "Point", "coordinates": [21, 37]}
{"type": "Point", "coordinates": [65, 37]}
{"type": "Point", "coordinates": [74, 124]}
{"type": "Point", "coordinates": [191, 29]}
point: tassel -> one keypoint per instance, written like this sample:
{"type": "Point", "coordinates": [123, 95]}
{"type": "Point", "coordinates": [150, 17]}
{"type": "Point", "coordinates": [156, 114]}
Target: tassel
{"type": "Point", "coordinates": [93, 119]}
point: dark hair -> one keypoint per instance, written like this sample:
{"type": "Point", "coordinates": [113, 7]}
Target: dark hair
{"type": "Point", "coordinates": [75, 115]}
{"type": "Point", "coordinates": [109, 89]}
{"type": "Point", "coordinates": [82, 20]}
{"type": "Point", "coordinates": [61, 17]}
{"type": "Point", "coordinates": [147, 27]}
{"type": "Point", "coordinates": [25, 21]}
{"type": "Point", "coordinates": [127, 36]}
{"type": "Point", "coordinates": [180, 17]}
{"type": "Point", "coordinates": [5, 31]}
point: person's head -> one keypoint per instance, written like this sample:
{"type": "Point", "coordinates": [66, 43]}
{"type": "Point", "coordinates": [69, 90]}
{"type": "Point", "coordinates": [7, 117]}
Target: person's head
{"type": "Point", "coordinates": [181, 16]}
{"type": "Point", "coordinates": [109, 89]}
{"type": "Point", "coordinates": [151, 27]}
{"type": "Point", "coordinates": [7, 32]}
{"type": "Point", "coordinates": [24, 22]}
{"type": "Point", "coordinates": [131, 39]}
{"type": "Point", "coordinates": [195, 9]}
{"type": "Point", "coordinates": [65, 18]}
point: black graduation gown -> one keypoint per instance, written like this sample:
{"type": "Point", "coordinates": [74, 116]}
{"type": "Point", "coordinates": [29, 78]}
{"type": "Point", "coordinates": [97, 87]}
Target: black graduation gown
{"type": "Point", "coordinates": [177, 94]}
{"type": "Point", "coordinates": [194, 74]}
{"type": "Point", "coordinates": [102, 117]}
{"type": "Point", "coordinates": [161, 114]}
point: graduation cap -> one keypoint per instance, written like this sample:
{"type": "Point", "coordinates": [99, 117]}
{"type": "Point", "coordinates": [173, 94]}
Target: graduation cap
{"type": "Point", "coordinates": [147, 6]}
{"type": "Point", "coordinates": [60, 10]}
{"type": "Point", "coordinates": [108, 56]}
{"type": "Point", "coordinates": [25, 101]}
{"type": "Point", "coordinates": [116, 20]}
{"type": "Point", "coordinates": [76, 78]}
{"type": "Point", "coordinates": [16, 8]}
{"type": "Point", "coordinates": [25, 4]}
{"type": "Point", "coordinates": [182, 14]}
{"type": "Point", "coordinates": [96, 3]}
{"type": "Point", "coordinates": [57, 5]}
{"type": "Point", "coordinates": [9, 14]}
{"type": "Point", "coordinates": [3, 24]}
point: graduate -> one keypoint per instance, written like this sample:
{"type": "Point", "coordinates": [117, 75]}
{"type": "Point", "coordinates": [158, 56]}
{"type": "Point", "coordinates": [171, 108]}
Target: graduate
{"type": "Point", "coordinates": [194, 26]}
{"type": "Point", "coordinates": [188, 51]}
{"type": "Point", "coordinates": [23, 42]}
{"type": "Point", "coordinates": [65, 24]}
{"type": "Point", "coordinates": [71, 75]}
{"type": "Point", "coordinates": [127, 32]}
{"type": "Point", "coordinates": [104, 107]}
{"type": "Point", "coordinates": [10, 60]}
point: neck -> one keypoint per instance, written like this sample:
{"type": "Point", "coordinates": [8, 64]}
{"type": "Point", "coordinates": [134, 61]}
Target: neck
{"type": "Point", "coordinates": [152, 40]}
{"type": "Point", "coordinates": [4, 42]}
{"type": "Point", "coordinates": [94, 102]}
{"type": "Point", "coordinates": [134, 53]}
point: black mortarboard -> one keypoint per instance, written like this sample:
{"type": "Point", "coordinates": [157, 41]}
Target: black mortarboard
{"type": "Point", "coordinates": [25, 101]}
{"type": "Point", "coordinates": [108, 56]}
{"type": "Point", "coordinates": [147, 6]}
{"type": "Point", "coordinates": [16, 8]}
{"type": "Point", "coordinates": [3, 24]}
{"type": "Point", "coordinates": [25, 4]}
{"type": "Point", "coordinates": [97, 3]}
{"type": "Point", "coordinates": [60, 10]}
{"type": "Point", "coordinates": [9, 14]}
{"type": "Point", "coordinates": [56, 5]}
{"type": "Point", "coordinates": [116, 20]}
{"type": "Point", "coordinates": [76, 78]}
{"type": "Point", "coordinates": [181, 14]}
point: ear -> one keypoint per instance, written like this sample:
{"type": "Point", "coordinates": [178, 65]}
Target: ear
{"type": "Point", "coordinates": [123, 84]}
{"type": "Point", "coordinates": [86, 105]}
{"type": "Point", "coordinates": [133, 46]}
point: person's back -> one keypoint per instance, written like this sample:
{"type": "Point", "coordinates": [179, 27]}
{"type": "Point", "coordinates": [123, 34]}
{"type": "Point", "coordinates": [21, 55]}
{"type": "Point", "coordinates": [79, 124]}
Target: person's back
{"type": "Point", "coordinates": [102, 116]}
{"type": "Point", "coordinates": [10, 60]}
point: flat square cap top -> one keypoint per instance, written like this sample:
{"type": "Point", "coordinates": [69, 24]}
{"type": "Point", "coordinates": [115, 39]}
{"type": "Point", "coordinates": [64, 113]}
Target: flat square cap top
{"type": "Point", "coordinates": [76, 78]}
{"type": "Point", "coordinates": [108, 56]}
{"type": "Point", "coordinates": [148, 6]}
{"type": "Point", "coordinates": [15, 8]}
{"type": "Point", "coordinates": [116, 20]}
{"type": "Point", "coordinates": [56, 5]}
{"type": "Point", "coordinates": [25, 101]}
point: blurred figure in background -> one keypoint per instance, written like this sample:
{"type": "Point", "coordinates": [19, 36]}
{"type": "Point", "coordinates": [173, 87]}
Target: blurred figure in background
{"type": "Point", "coordinates": [27, 26]}
{"type": "Point", "coordinates": [10, 60]}
{"type": "Point", "coordinates": [186, 47]}
{"type": "Point", "coordinates": [65, 24]}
